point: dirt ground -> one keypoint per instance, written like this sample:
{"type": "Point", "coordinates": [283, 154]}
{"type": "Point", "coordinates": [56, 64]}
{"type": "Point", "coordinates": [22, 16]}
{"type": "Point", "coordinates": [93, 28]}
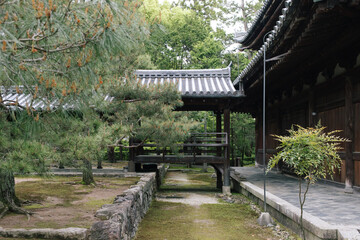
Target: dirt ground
{"type": "Point", "coordinates": [63, 202]}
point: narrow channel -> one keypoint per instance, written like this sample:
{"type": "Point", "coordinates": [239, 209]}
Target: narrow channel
{"type": "Point", "coordinates": [189, 206]}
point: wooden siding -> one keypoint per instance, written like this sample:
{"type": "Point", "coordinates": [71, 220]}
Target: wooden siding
{"type": "Point", "coordinates": [357, 173]}
{"type": "Point", "coordinates": [334, 119]}
{"type": "Point", "coordinates": [357, 128]}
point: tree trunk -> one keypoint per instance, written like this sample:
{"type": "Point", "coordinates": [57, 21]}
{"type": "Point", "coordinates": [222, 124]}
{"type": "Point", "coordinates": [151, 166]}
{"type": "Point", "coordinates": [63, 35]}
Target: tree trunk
{"type": "Point", "coordinates": [7, 194]}
{"type": "Point", "coordinates": [99, 164]}
{"type": "Point", "coordinates": [87, 175]}
{"type": "Point", "coordinates": [61, 165]}
{"type": "Point", "coordinates": [7, 188]}
{"type": "Point", "coordinates": [243, 13]}
{"type": "Point", "coordinates": [302, 202]}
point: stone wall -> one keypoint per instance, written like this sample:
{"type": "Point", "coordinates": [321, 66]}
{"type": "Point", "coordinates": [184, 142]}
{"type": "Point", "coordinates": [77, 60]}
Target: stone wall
{"type": "Point", "coordinates": [121, 219]}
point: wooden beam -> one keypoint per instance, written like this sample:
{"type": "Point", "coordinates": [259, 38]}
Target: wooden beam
{"type": "Point", "coordinates": [198, 159]}
{"type": "Point", "coordinates": [349, 134]}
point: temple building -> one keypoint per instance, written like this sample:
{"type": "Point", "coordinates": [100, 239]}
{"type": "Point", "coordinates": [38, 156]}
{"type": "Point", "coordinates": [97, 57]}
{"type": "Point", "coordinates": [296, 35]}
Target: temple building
{"type": "Point", "coordinates": [312, 73]}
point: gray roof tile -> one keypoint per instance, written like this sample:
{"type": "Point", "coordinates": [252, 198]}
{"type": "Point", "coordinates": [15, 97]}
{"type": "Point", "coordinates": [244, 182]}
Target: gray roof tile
{"type": "Point", "coordinates": [193, 82]}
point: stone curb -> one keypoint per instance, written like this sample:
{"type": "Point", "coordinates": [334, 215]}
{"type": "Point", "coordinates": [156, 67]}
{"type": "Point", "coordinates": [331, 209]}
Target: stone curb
{"type": "Point", "coordinates": [72, 174]}
{"type": "Point", "coordinates": [46, 233]}
{"type": "Point", "coordinates": [289, 215]}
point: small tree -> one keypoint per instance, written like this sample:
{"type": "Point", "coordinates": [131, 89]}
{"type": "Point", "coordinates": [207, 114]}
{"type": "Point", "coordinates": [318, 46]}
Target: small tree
{"type": "Point", "coordinates": [311, 153]}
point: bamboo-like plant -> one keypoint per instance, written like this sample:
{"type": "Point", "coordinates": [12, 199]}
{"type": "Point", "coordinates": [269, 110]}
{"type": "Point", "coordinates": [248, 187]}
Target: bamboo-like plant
{"type": "Point", "coordinates": [311, 153]}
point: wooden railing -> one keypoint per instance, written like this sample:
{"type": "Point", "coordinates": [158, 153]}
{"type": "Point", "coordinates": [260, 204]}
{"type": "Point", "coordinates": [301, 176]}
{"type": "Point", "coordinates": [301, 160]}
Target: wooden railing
{"type": "Point", "coordinates": [199, 148]}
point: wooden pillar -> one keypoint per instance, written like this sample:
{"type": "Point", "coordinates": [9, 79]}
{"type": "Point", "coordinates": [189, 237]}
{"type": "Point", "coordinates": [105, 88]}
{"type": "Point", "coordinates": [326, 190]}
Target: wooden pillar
{"type": "Point", "coordinates": [218, 129]}
{"type": "Point", "coordinates": [218, 122]}
{"type": "Point", "coordinates": [227, 151]}
{"type": "Point", "coordinates": [349, 134]}
{"type": "Point", "coordinates": [219, 182]}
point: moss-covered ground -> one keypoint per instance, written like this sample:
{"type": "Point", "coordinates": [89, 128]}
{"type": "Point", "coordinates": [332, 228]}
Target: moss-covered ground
{"type": "Point", "coordinates": [60, 202]}
{"type": "Point", "coordinates": [176, 220]}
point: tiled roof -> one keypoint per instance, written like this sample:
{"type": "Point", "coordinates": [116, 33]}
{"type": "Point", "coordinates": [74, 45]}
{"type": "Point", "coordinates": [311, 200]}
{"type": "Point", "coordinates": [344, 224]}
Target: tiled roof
{"type": "Point", "coordinates": [193, 83]}
{"type": "Point", "coordinates": [269, 40]}
{"type": "Point", "coordinates": [206, 83]}
{"type": "Point", "coordinates": [11, 96]}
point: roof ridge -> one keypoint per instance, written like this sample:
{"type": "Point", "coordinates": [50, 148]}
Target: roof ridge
{"type": "Point", "coordinates": [184, 72]}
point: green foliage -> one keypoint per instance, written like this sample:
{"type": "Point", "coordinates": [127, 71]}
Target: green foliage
{"type": "Point", "coordinates": [62, 52]}
{"type": "Point", "coordinates": [207, 53]}
{"type": "Point", "coordinates": [182, 37]}
{"type": "Point", "coordinates": [239, 62]}
{"type": "Point", "coordinates": [19, 151]}
{"type": "Point", "coordinates": [209, 9]}
{"type": "Point", "coordinates": [174, 34]}
{"type": "Point", "coordinates": [242, 138]}
{"type": "Point", "coordinates": [310, 152]}
{"type": "Point", "coordinates": [149, 114]}
{"type": "Point", "coordinates": [65, 49]}
{"type": "Point", "coordinates": [207, 121]}
{"type": "Point", "coordinates": [243, 135]}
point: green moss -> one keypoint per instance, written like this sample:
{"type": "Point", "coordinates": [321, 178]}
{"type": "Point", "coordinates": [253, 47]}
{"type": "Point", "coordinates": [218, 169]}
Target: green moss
{"type": "Point", "coordinates": [64, 191]}
{"type": "Point", "coordinates": [167, 220]}
{"type": "Point", "coordinates": [37, 206]}
{"type": "Point", "coordinates": [97, 203]}
{"type": "Point", "coordinates": [48, 224]}
{"type": "Point", "coordinates": [66, 188]}
{"type": "Point", "coordinates": [54, 187]}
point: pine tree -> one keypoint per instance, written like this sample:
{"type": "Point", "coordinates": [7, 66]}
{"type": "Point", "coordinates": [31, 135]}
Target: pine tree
{"type": "Point", "coordinates": [69, 55]}
{"type": "Point", "coordinates": [60, 53]}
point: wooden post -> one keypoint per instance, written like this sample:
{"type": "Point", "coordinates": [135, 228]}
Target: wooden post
{"type": "Point", "coordinates": [218, 129]}
{"type": "Point", "coordinates": [219, 183]}
{"type": "Point", "coordinates": [232, 147]}
{"type": "Point", "coordinates": [349, 134]}
{"type": "Point", "coordinates": [227, 152]}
